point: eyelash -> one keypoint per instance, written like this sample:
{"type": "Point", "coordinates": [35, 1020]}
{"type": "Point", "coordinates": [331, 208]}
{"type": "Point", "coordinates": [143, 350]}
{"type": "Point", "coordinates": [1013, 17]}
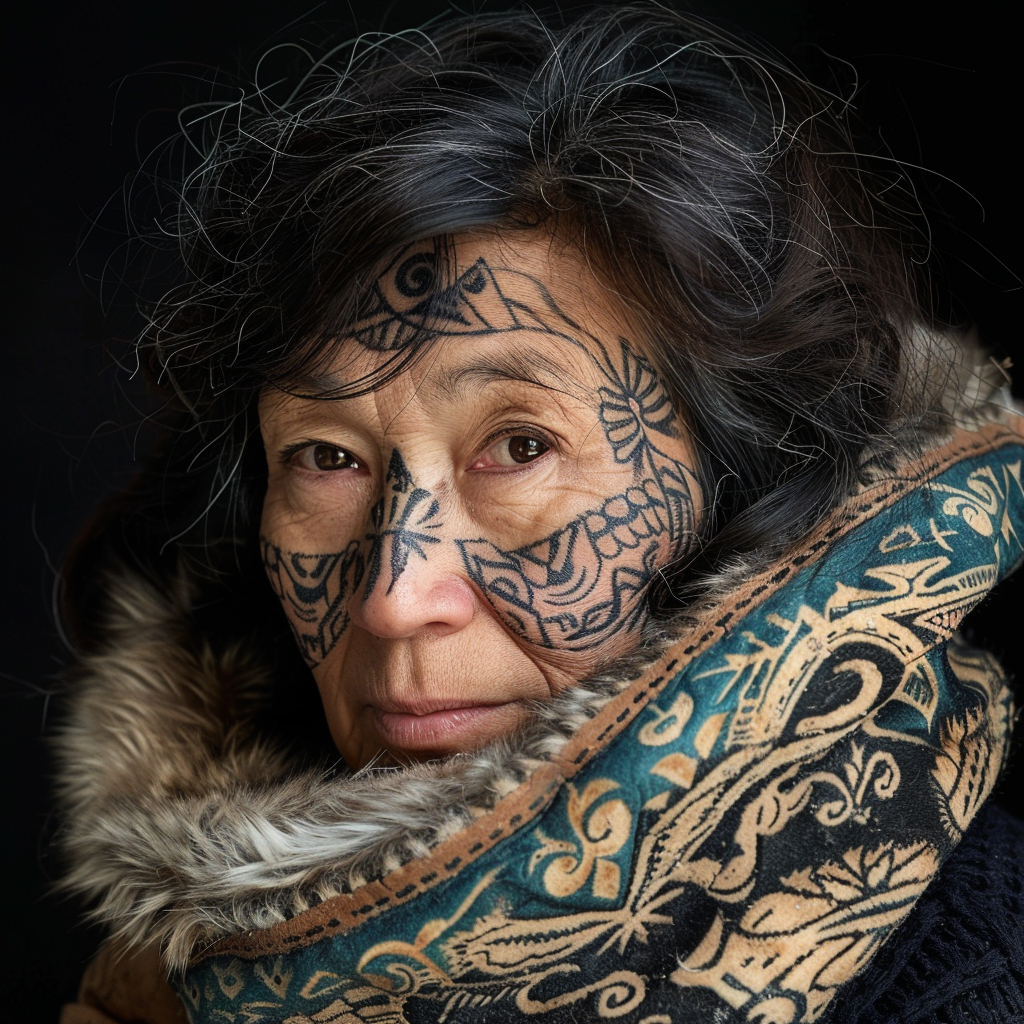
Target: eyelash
{"type": "Point", "coordinates": [288, 453]}
{"type": "Point", "coordinates": [517, 429]}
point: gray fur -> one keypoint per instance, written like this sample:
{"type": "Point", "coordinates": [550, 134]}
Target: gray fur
{"type": "Point", "coordinates": [183, 832]}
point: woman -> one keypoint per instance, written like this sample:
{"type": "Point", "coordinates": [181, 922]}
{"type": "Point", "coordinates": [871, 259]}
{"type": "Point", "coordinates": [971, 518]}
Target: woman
{"type": "Point", "coordinates": [570, 390]}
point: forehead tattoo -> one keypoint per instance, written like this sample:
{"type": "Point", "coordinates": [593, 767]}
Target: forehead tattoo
{"type": "Point", "coordinates": [412, 303]}
{"type": "Point", "coordinates": [581, 584]}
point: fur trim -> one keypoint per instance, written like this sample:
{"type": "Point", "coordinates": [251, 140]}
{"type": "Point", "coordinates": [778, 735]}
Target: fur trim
{"type": "Point", "coordinates": [186, 825]}
{"type": "Point", "coordinates": [184, 829]}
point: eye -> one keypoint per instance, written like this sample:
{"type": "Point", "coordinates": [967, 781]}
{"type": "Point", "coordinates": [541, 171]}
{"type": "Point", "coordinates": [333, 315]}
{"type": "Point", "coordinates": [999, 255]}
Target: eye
{"type": "Point", "coordinates": [521, 449]}
{"type": "Point", "coordinates": [517, 450]}
{"type": "Point", "coordinates": [325, 458]}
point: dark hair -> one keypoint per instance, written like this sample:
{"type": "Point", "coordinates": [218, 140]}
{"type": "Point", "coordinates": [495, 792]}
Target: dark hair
{"type": "Point", "coordinates": [714, 190]}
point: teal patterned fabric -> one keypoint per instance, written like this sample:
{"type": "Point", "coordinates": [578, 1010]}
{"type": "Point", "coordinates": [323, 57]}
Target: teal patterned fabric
{"type": "Point", "coordinates": [782, 790]}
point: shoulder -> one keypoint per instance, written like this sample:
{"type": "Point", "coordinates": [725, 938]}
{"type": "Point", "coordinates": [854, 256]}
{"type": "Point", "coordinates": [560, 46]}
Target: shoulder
{"type": "Point", "coordinates": [120, 985]}
{"type": "Point", "coordinates": [959, 957]}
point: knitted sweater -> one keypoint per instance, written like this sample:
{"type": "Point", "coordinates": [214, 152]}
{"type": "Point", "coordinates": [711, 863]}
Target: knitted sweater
{"type": "Point", "coordinates": [959, 958]}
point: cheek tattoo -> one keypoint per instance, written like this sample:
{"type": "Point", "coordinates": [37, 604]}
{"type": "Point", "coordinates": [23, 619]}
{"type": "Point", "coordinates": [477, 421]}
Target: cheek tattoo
{"type": "Point", "coordinates": [315, 590]}
{"type": "Point", "coordinates": [585, 582]}
{"type": "Point", "coordinates": [575, 588]}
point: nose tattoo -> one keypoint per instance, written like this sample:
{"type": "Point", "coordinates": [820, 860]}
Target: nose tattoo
{"type": "Point", "coordinates": [411, 513]}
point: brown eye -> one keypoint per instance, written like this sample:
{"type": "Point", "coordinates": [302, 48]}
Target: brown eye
{"type": "Point", "coordinates": [327, 457]}
{"type": "Point", "coordinates": [523, 449]}
{"type": "Point", "coordinates": [509, 452]}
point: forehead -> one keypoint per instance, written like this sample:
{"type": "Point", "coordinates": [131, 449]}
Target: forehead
{"type": "Point", "coordinates": [475, 308]}
{"type": "Point", "coordinates": [472, 286]}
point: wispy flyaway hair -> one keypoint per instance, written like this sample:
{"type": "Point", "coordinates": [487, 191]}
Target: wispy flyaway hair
{"type": "Point", "coordinates": [713, 190]}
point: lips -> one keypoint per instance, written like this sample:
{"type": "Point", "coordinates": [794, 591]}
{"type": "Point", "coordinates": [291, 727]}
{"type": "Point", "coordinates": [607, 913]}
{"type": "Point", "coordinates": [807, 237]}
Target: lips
{"type": "Point", "coordinates": [443, 727]}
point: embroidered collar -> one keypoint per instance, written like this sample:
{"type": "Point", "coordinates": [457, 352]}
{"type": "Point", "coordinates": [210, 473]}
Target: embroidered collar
{"type": "Point", "coordinates": [737, 830]}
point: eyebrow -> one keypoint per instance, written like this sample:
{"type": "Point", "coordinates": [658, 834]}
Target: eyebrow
{"type": "Point", "coordinates": [531, 367]}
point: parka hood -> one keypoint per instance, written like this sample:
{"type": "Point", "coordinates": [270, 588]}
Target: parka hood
{"type": "Point", "coordinates": [741, 814]}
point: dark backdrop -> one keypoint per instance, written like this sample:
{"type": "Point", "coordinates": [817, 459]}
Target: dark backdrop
{"type": "Point", "coordinates": [92, 87]}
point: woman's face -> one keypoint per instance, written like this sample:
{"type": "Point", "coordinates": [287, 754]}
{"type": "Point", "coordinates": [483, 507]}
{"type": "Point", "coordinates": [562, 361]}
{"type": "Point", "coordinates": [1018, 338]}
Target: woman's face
{"type": "Point", "coordinates": [479, 533]}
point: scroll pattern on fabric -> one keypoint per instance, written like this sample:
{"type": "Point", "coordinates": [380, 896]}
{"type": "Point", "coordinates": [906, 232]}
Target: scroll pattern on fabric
{"type": "Point", "coordinates": [745, 845]}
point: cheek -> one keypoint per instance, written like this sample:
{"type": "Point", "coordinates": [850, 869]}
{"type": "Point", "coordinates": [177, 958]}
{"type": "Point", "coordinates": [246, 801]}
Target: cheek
{"type": "Point", "coordinates": [584, 584]}
{"type": "Point", "coordinates": [352, 734]}
{"type": "Point", "coordinates": [314, 590]}
{"type": "Point", "coordinates": [313, 569]}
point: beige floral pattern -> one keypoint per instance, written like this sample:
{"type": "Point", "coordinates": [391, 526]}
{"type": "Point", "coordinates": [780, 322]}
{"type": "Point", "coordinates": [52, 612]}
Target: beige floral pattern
{"type": "Point", "coordinates": [601, 828]}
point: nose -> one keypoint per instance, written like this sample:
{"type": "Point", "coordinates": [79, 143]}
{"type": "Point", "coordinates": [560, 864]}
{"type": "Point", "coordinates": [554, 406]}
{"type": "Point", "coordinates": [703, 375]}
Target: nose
{"type": "Point", "coordinates": [411, 589]}
{"type": "Point", "coordinates": [408, 610]}
{"type": "Point", "coordinates": [422, 600]}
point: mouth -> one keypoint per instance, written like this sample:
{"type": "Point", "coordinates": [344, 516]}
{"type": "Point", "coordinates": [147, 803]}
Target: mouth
{"type": "Point", "coordinates": [444, 728]}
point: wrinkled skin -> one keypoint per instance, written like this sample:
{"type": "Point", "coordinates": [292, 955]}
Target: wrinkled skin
{"type": "Point", "coordinates": [479, 533]}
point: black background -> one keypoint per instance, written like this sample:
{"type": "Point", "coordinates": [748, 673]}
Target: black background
{"type": "Point", "coordinates": [91, 88]}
